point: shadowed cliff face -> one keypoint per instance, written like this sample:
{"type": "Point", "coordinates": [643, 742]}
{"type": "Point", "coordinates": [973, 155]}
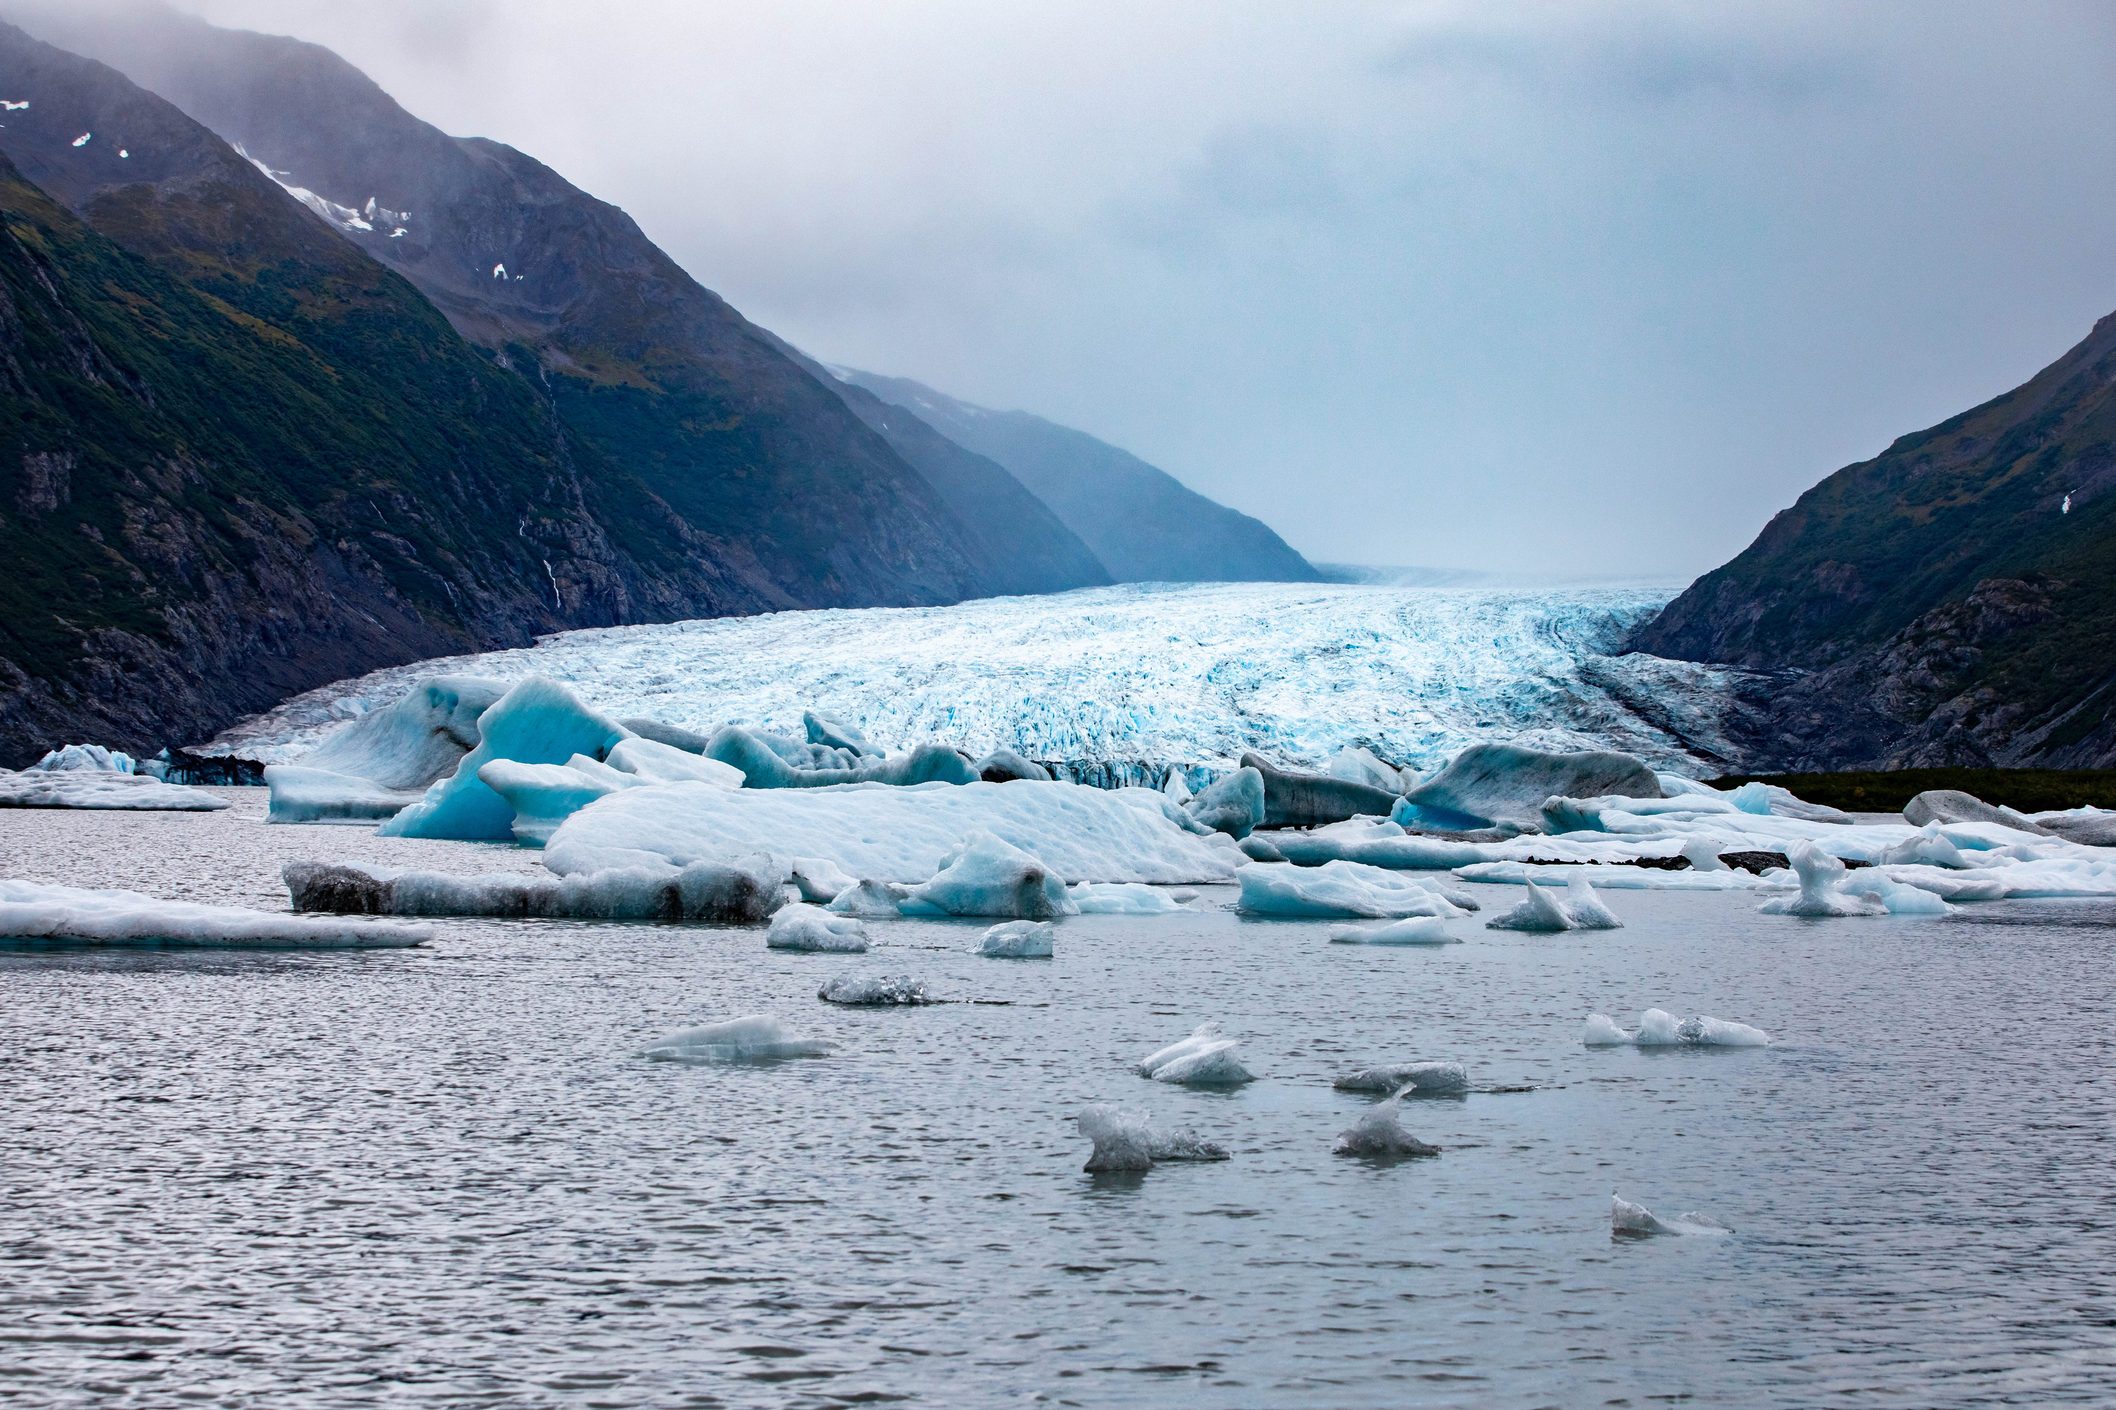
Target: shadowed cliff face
{"type": "Point", "coordinates": [1951, 601]}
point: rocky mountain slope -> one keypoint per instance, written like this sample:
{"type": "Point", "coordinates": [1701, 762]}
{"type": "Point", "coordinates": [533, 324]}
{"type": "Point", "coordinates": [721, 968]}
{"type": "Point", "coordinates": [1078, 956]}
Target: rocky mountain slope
{"type": "Point", "coordinates": [1143, 523]}
{"type": "Point", "coordinates": [639, 359]}
{"type": "Point", "coordinates": [1950, 602]}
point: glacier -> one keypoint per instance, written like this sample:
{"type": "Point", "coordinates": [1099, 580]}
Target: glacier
{"type": "Point", "coordinates": [1115, 684]}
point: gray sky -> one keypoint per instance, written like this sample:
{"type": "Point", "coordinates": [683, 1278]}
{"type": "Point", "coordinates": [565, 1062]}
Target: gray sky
{"type": "Point", "coordinates": [1587, 287]}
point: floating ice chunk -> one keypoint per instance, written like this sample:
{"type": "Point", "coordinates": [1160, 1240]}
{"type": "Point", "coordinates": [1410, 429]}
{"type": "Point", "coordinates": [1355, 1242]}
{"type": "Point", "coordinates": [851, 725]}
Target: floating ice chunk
{"type": "Point", "coordinates": [833, 734]}
{"type": "Point", "coordinates": [872, 900]}
{"type": "Point", "coordinates": [1123, 898]}
{"type": "Point", "coordinates": [883, 833]}
{"type": "Point", "coordinates": [541, 796]}
{"type": "Point", "coordinates": [12, 105]}
{"type": "Point", "coordinates": [800, 926]}
{"type": "Point", "coordinates": [1538, 912]}
{"type": "Point", "coordinates": [94, 789]}
{"type": "Point", "coordinates": [1487, 784]}
{"type": "Point", "coordinates": [1379, 1135]}
{"type": "Point", "coordinates": [412, 741]}
{"type": "Point", "coordinates": [82, 140]}
{"type": "Point", "coordinates": [757, 1037]}
{"type": "Point", "coordinates": [1412, 930]}
{"type": "Point", "coordinates": [1125, 1141]}
{"type": "Point", "coordinates": [2089, 827]}
{"type": "Point", "coordinates": [1176, 787]}
{"type": "Point", "coordinates": [819, 881]}
{"type": "Point", "coordinates": [1769, 800]}
{"type": "Point", "coordinates": [1294, 798]}
{"type": "Point", "coordinates": [305, 795]}
{"type": "Point", "coordinates": [1947, 805]}
{"type": "Point", "coordinates": [1635, 1221]}
{"type": "Point", "coordinates": [1657, 1028]}
{"type": "Point", "coordinates": [1822, 890]}
{"type": "Point", "coordinates": [1017, 940]}
{"type": "Point", "coordinates": [32, 911]}
{"type": "Point", "coordinates": [1204, 1059]}
{"type": "Point", "coordinates": [701, 893]}
{"type": "Point", "coordinates": [1585, 909]}
{"type": "Point", "coordinates": [765, 763]}
{"type": "Point", "coordinates": [874, 990]}
{"type": "Point", "coordinates": [657, 762]}
{"type": "Point", "coordinates": [990, 877]}
{"type": "Point", "coordinates": [1341, 890]}
{"type": "Point", "coordinates": [1005, 766]}
{"type": "Point", "coordinates": [1358, 764]}
{"type": "Point", "coordinates": [539, 721]}
{"type": "Point", "coordinates": [662, 732]}
{"type": "Point", "coordinates": [1898, 898]}
{"type": "Point", "coordinates": [1608, 878]}
{"type": "Point", "coordinates": [89, 758]}
{"type": "Point", "coordinates": [1233, 805]}
{"type": "Point", "coordinates": [1418, 1079]}
{"type": "Point", "coordinates": [1702, 853]}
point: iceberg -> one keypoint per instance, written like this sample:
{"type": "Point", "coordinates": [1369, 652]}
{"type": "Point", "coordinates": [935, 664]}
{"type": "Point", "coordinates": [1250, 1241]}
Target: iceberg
{"type": "Point", "coordinates": [904, 834]}
{"type": "Point", "coordinates": [1635, 1221]}
{"type": "Point", "coordinates": [874, 991]}
{"type": "Point", "coordinates": [834, 734]}
{"type": "Point", "coordinates": [1379, 1135]}
{"type": "Point", "coordinates": [703, 893]}
{"type": "Point", "coordinates": [1418, 1079]}
{"type": "Point", "coordinates": [763, 766]}
{"type": "Point", "coordinates": [1340, 891]}
{"type": "Point", "coordinates": [1125, 898]}
{"type": "Point", "coordinates": [1293, 798]}
{"type": "Point", "coordinates": [1412, 930]}
{"type": "Point", "coordinates": [657, 762]}
{"type": "Point", "coordinates": [870, 900]}
{"type": "Point", "coordinates": [1822, 891]}
{"type": "Point", "coordinates": [1771, 801]}
{"type": "Point", "coordinates": [1657, 1028]}
{"type": "Point", "coordinates": [1493, 784]}
{"type": "Point", "coordinates": [991, 877]}
{"type": "Point", "coordinates": [541, 796]}
{"type": "Point", "coordinates": [1947, 805]}
{"type": "Point", "coordinates": [33, 911]}
{"type": "Point", "coordinates": [1540, 912]}
{"type": "Point", "coordinates": [537, 722]}
{"type": "Point", "coordinates": [102, 790]}
{"type": "Point", "coordinates": [299, 794]}
{"type": "Point", "coordinates": [412, 741]}
{"type": "Point", "coordinates": [1356, 763]}
{"type": "Point", "coordinates": [1125, 1141]}
{"type": "Point", "coordinates": [2088, 827]}
{"type": "Point", "coordinates": [800, 926]}
{"type": "Point", "coordinates": [1233, 805]}
{"type": "Point", "coordinates": [1017, 940]}
{"type": "Point", "coordinates": [755, 1037]}
{"type": "Point", "coordinates": [1204, 1059]}
{"type": "Point", "coordinates": [88, 758]}
{"type": "Point", "coordinates": [1005, 766]}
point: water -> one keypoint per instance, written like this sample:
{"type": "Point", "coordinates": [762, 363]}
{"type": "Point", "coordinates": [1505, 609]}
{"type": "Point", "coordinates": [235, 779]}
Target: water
{"type": "Point", "coordinates": [437, 1178]}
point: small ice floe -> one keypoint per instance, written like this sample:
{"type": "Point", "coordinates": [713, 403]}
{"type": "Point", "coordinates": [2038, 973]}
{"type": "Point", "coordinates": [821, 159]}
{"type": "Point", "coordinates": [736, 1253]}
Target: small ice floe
{"type": "Point", "coordinates": [1412, 930]}
{"type": "Point", "coordinates": [871, 900]}
{"type": "Point", "coordinates": [1018, 940]}
{"type": "Point", "coordinates": [82, 140]}
{"type": "Point", "coordinates": [1417, 1079]}
{"type": "Point", "coordinates": [1822, 890]}
{"type": "Point", "coordinates": [874, 990]}
{"type": "Point", "coordinates": [102, 790]}
{"type": "Point", "coordinates": [12, 105]}
{"type": "Point", "coordinates": [1635, 1221]}
{"type": "Point", "coordinates": [1126, 1141]}
{"type": "Point", "coordinates": [757, 1037]}
{"type": "Point", "coordinates": [1204, 1059]}
{"type": "Point", "coordinates": [801, 926]}
{"type": "Point", "coordinates": [1379, 1133]}
{"type": "Point", "coordinates": [1123, 898]}
{"type": "Point", "coordinates": [992, 877]}
{"type": "Point", "coordinates": [32, 911]}
{"type": "Point", "coordinates": [1344, 891]}
{"type": "Point", "coordinates": [1540, 912]}
{"type": "Point", "coordinates": [499, 271]}
{"type": "Point", "coordinates": [1657, 1028]}
{"type": "Point", "coordinates": [702, 893]}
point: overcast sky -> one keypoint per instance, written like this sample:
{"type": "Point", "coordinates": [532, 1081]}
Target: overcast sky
{"type": "Point", "coordinates": [1585, 287]}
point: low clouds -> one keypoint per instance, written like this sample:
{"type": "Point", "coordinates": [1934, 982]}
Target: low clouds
{"type": "Point", "coordinates": [1591, 287]}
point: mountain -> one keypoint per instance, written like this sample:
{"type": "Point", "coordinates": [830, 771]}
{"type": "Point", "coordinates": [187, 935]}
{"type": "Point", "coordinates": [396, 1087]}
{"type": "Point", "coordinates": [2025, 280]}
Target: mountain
{"type": "Point", "coordinates": [1143, 523]}
{"type": "Point", "coordinates": [639, 361]}
{"type": "Point", "coordinates": [1950, 602]}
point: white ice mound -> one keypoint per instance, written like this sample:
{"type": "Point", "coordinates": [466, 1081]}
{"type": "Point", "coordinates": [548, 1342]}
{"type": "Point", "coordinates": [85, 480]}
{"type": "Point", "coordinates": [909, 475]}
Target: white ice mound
{"type": "Point", "coordinates": [653, 761]}
{"type": "Point", "coordinates": [2089, 827]}
{"type": "Point", "coordinates": [1379, 1135]}
{"type": "Point", "coordinates": [100, 790]}
{"type": "Point", "coordinates": [1540, 912]}
{"type": "Point", "coordinates": [1299, 798]}
{"type": "Point", "coordinates": [1634, 1221]}
{"type": "Point", "coordinates": [537, 722]}
{"type": "Point", "coordinates": [1489, 784]}
{"type": "Point", "coordinates": [757, 1037]}
{"type": "Point", "coordinates": [885, 833]}
{"type": "Point", "coordinates": [86, 758]}
{"type": "Point", "coordinates": [1018, 940]}
{"type": "Point", "coordinates": [1204, 1059]}
{"type": "Point", "coordinates": [1771, 801]}
{"type": "Point", "coordinates": [1412, 930]}
{"type": "Point", "coordinates": [765, 762]}
{"type": "Point", "coordinates": [1124, 898]}
{"type": "Point", "coordinates": [1657, 1028]}
{"type": "Point", "coordinates": [415, 739]}
{"type": "Point", "coordinates": [33, 911]}
{"type": "Point", "coordinates": [1126, 1141]}
{"type": "Point", "coordinates": [1822, 890]}
{"type": "Point", "coordinates": [541, 796]}
{"type": "Point", "coordinates": [1341, 890]}
{"type": "Point", "coordinates": [874, 990]}
{"type": "Point", "coordinates": [1233, 805]}
{"type": "Point", "coordinates": [990, 877]}
{"type": "Point", "coordinates": [703, 893]}
{"type": "Point", "coordinates": [800, 926]}
{"type": "Point", "coordinates": [1417, 1079]}
{"type": "Point", "coordinates": [870, 900]}
{"type": "Point", "coordinates": [299, 794]}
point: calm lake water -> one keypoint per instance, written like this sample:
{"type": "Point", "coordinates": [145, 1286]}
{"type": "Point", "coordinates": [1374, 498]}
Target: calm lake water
{"type": "Point", "coordinates": [437, 1177]}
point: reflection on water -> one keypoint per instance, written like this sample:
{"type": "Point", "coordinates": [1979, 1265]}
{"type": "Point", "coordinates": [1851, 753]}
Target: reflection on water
{"type": "Point", "coordinates": [438, 1177]}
